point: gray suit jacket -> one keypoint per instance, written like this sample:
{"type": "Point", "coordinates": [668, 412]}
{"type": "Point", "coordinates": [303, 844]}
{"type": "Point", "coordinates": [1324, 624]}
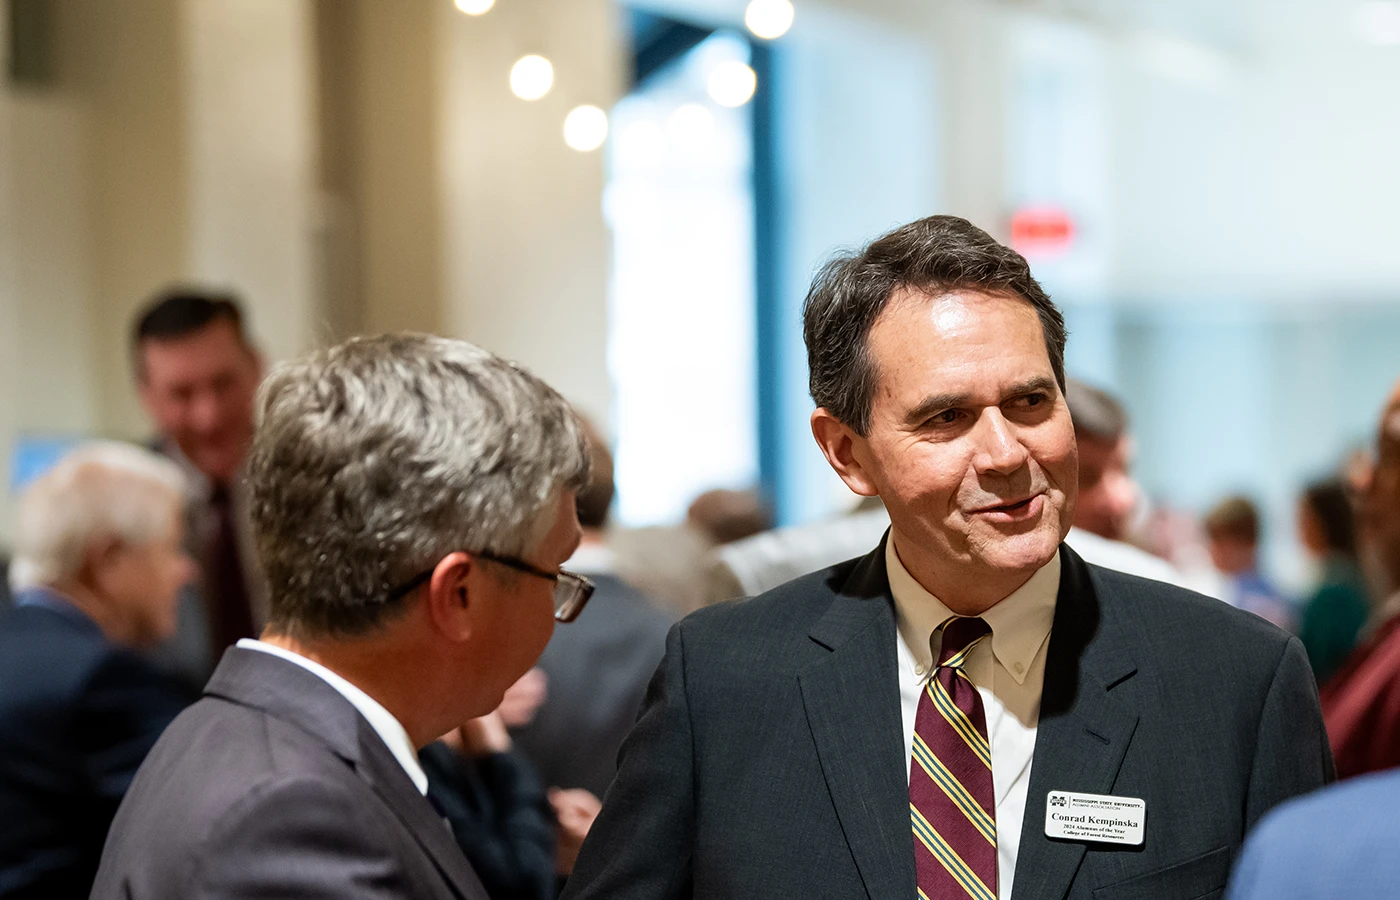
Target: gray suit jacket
{"type": "Point", "coordinates": [769, 759]}
{"type": "Point", "coordinates": [274, 785]}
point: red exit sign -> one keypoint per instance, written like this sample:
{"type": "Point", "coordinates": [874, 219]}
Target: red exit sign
{"type": "Point", "coordinates": [1041, 231]}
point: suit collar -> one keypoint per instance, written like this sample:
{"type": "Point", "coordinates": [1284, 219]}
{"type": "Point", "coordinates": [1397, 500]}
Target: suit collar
{"type": "Point", "coordinates": [291, 693]}
{"type": "Point", "coordinates": [389, 728]}
{"type": "Point", "coordinates": [1084, 729]}
{"type": "Point", "coordinates": [60, 606]}
{"type": "Point", "coordinates": [287, 691]}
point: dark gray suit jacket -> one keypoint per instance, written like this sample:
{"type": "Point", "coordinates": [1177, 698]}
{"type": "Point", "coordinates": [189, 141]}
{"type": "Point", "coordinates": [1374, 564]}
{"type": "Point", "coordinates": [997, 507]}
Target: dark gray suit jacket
{"type": "Point", "coordinates": [273, 785]}
{"type": "Point", "coordinates": [769, 759]}
{"type": "Point", "coordinates": [598, 669]}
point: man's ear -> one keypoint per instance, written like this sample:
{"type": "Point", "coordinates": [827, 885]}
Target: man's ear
{"type": "Point", "coordinates": [838, 442]}
{"type": "Point", "coordinates": [450, 595]}
{"type": "Point", "coordinates": [98, 556]}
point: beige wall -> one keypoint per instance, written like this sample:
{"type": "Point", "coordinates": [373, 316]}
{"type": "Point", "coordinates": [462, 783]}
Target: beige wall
{"type": "Point", "coordinates": [346, 165]}
{"type": "Point", "coordinates": [399, 213]}
{"type": "Point", "coordinates": [122, 64]}
{"type": "Point", "coordinates": [525, 243]}
{"type": "Point", "coordinates": [250, 126]}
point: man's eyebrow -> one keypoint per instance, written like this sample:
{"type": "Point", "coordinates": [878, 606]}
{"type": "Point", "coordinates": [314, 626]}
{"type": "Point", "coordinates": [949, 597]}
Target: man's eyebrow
{"type": "Point", "coordinates": [939, 402]}
{"type": "Point", "coordinates": [934, 404]}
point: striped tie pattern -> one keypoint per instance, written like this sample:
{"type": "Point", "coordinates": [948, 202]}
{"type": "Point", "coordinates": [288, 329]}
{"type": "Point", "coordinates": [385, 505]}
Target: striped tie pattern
{"type": "Point", "coordinates": [951, 800]}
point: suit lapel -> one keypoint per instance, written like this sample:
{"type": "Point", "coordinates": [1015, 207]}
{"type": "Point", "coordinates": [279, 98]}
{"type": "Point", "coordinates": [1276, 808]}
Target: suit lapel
{"type": "Point", "coordinates": [1084, 730]}
{"type": "Point", "coordinates": [388, 779]}
{"type": "Point", "coordinates": [286, 690]}
{"type": "Point", "coordinates": [851, 697]}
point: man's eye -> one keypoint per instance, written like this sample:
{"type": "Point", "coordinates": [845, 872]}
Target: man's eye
{"type": "Point", "coordinates": [947, 417]}
{"type": "Point", "coordinates": [1031, 401]}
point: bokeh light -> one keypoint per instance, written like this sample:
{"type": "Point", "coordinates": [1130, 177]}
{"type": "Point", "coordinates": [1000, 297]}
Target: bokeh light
{"type": "Point", "coordinates": [768, 19]}
{"type": "Point", "coordinates": [475, 7]}
{"type": "Point", "coordinates": [531, 77]}
{"type": "Point", "coordinates": [585, 128]}
{"type": "Point", "coordinates": [731, 83]}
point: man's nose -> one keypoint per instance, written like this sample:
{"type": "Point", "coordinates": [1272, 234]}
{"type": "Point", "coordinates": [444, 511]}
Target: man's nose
{"type": "Point", "coordinates": [1000, 449]}
{"type": "Point", "coordinates": [206, 412]}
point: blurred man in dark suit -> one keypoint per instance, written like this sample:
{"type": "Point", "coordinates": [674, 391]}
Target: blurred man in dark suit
{"type": "Point", "coordinates": [196, 372]}
{"type": "Point", "coordinates": [98, 568]}
{"type": "Point", "coordinates": [413, 499]}
{"type": "Point", "coordinates": [598, 671]}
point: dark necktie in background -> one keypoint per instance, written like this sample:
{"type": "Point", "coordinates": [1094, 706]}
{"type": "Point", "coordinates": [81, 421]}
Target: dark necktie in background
{"type": "Point", "coordinates": [225, 585]}
{"type": "Point", "coordinates": [951, 800]}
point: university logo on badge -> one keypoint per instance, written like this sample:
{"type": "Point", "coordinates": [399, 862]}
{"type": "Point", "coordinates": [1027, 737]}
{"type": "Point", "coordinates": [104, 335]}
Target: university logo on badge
{"type": "Point", "coordinates": [1059, 800]}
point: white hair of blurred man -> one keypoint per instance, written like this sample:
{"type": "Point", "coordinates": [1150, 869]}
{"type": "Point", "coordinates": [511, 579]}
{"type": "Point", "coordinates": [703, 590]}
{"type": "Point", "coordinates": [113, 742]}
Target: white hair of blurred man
{"type": "Point", "coordinates": [104, 528]}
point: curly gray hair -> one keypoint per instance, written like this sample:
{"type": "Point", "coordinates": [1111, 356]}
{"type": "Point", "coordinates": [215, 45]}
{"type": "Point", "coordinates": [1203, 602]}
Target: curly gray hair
{"type": "Point", "coordinates": [377, 457]}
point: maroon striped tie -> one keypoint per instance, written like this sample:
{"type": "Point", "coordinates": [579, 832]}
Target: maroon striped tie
{"type": "Point", "coordinates": [951, 800]}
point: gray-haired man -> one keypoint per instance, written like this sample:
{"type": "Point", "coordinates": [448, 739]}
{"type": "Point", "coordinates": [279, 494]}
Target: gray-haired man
{"type": "Point", "coordinates": [413, 498]}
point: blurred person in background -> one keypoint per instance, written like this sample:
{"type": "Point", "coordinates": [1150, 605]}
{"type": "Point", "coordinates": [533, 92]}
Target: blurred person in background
{"type": "Point", "coordinates": [1334, 843]}
{"type": "Point", "coordinates": [597, 671]}
{"type": "Point", "coordinates": [1361, 702]}
{"type": "Point", "coordinates": [1335, 611]}
{"type": "Point", "coordinates": [1108, 495]}
{"type": "Point", "coordinates": [413, 500]}
{"type": "Point", "coordinates": [98, 568]}
{"type": "Point", "coordinates": [669, 563]}
{"type": "Point", "coordinates": [1232, 533]}
{"type": "Point", "coordinates": [1340, 842]}
{"type": "Point", "coordinates": [760, 563]}
{"type": "Point", "coordinates": [196, 374]}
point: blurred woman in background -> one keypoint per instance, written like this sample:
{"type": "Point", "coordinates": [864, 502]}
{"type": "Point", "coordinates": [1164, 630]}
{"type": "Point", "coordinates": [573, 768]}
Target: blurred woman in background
{"type": "Point", "coordinates": [1336, 610]}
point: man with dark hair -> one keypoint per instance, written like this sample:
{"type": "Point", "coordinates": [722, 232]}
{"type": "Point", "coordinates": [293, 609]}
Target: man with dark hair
{"type": "Point", "coordinates": [413, 499]}
{"type": "Point", "coordinates": [970, 710]}
{"type": "Point", "coordinates": [597, 671]}
{"type": "Point", "coordinates": [196, 372]}
{"type": "Point", "coordinates": [1232, 536]}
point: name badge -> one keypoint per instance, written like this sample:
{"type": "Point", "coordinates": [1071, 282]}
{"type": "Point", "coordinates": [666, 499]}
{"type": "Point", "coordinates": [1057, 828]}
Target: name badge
{"type": "Point", "coordinates": [1095, 817]}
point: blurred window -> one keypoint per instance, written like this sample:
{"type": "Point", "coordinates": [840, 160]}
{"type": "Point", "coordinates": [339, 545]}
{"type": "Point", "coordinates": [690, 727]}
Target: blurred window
{"type": "Point", "coordinates": [681, 343]}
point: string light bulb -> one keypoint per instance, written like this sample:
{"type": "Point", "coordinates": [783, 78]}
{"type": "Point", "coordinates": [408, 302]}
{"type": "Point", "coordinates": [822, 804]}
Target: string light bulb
{"type": "Point", "coordinates": [475, 7]}
{"type": "Point", "coordinates": [769, 19]}
{"type": "Point", "coordinates": [531, 77]}
{"type": "Point", "coordinates": [585, 128]}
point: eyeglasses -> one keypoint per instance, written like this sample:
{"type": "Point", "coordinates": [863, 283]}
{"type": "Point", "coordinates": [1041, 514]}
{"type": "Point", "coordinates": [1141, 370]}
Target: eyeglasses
{"type": "Point", "coordinates": [571, 591]}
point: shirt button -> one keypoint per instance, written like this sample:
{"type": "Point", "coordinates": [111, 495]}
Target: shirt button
{"type": "Point", "coordinates": [1019, 668]}
{"type": "Point", "coordinates": [919, 670]}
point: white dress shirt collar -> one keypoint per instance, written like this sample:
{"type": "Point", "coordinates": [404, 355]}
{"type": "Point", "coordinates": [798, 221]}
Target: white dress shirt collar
{"type": "Point", "coordinates": [389, 729]}
{"type": "Point", "coordinates": [1020, 623]}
